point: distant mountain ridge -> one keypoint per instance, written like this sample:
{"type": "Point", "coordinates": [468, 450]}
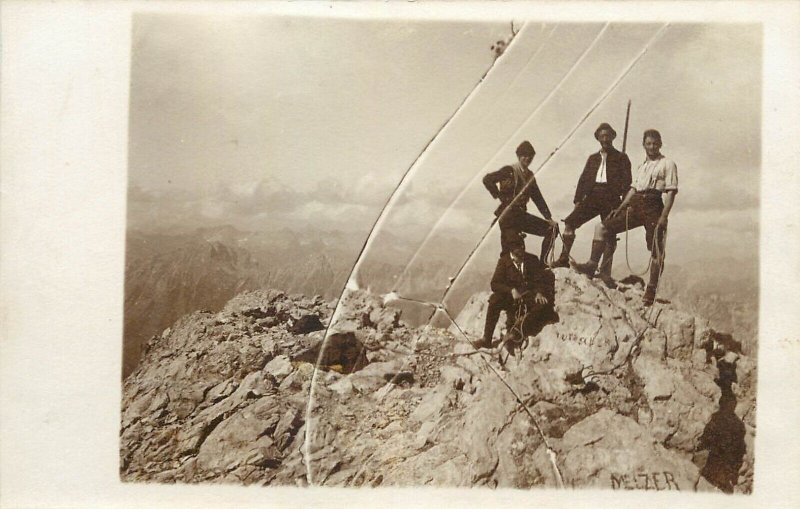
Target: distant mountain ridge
{"type": "Point", "coordinates": [168, 276]}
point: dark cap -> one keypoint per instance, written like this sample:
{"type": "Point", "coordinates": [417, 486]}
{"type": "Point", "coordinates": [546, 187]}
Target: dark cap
{"type": "Point", "coordinates": [525, 149]}
{"type": "Point", "coordinates": [607, 127]}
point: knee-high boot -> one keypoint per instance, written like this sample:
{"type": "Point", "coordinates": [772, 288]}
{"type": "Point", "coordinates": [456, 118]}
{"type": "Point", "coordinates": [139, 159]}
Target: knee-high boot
{"type": "Point", "coordinates": [589, 268]}
{"type": "Point", "coordinates": [563, 259]}
{"type": "Point", "coordinates": [492, 316]}
{"type": "Point", "coordinates": [604, 270]}
{"type": "Point", "coordinates": [656, 267]}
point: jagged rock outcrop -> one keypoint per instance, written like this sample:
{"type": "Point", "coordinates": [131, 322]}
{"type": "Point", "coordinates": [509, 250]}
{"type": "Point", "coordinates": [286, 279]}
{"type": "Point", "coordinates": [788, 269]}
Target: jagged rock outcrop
{"type": "Point", "coordinates": [611, 396]}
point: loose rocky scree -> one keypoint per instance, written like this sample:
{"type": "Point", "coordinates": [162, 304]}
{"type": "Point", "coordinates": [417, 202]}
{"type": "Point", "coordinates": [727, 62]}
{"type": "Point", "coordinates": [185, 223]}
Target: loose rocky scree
{"type": "Point", "coordinates": [621, 398]}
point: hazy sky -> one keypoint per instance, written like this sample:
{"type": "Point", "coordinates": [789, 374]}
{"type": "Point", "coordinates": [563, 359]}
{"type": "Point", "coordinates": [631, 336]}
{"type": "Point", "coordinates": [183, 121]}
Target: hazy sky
{"type": "Point", "coordinates": [264, 122]}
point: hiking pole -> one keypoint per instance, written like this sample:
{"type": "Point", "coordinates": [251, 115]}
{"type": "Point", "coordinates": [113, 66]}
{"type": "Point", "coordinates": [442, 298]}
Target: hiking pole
{"type": "Point", "coordinates": [625, 133]}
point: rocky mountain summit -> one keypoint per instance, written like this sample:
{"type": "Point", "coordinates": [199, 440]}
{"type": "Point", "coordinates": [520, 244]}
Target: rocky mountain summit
{"type": "Point", "coordinates": [611, 396]}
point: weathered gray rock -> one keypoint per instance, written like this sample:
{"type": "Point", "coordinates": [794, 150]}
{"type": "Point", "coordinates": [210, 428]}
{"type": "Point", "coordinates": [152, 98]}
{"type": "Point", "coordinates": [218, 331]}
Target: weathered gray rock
{"type": "Point", "coordinates": [612, 396]}
{"type": "Point", "coordinates": [280, 367]}
{"type": "Point", "coordinates": [608, 450]}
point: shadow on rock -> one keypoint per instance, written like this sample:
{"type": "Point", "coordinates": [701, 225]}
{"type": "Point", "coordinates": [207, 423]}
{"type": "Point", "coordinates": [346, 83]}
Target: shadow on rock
{"type": "Point", "coordinates": [723, 436]}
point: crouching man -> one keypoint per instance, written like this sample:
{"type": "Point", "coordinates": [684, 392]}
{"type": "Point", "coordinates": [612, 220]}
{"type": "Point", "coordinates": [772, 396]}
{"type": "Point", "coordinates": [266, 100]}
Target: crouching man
{"type": "Point", "coordinates": [520, 279]}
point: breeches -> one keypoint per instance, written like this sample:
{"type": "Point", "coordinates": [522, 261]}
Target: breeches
{"type": "Point", "coordinates": [644, 210]}
{"type": "Point", "coordinates": [600, 202]}
{"type": "Point", "coordinates": [518, 220]}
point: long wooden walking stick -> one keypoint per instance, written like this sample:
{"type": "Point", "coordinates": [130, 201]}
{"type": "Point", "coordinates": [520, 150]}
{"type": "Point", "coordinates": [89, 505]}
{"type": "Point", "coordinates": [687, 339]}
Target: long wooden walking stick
{"type": "Point", "coordinates": [625, 134]}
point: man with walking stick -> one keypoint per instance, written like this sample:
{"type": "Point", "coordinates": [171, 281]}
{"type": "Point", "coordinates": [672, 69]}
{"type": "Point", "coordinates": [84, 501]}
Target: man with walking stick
{"type": "Point", "coordinates": [656, 177]}
{"type": "Point", "coordinates": [605, 179]}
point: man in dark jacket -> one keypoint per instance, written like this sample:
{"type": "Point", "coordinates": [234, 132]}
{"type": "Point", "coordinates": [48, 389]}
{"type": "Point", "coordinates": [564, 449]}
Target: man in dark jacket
{"type": "Point", "coordinates": [514, 185]}
{"type": "Point", "coordinates": [603, 183]}
{"type": "Point", "coordinates": [520, 278]}
{"type": "Point", "coordinates": [647, 203]}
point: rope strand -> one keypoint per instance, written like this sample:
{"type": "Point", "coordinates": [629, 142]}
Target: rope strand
{"type": "Point", "coordinates": [513, 135]}
{"type": "Point", "coordinates": [550, 450]}
{"type": "Point", "coordinates": [367, 242]}
{"type": "Point", "coordinates": [550, 156]}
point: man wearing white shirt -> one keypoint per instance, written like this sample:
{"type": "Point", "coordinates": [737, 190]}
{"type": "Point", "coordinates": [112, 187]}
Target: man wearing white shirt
{"type": "Point", "coordinates": [656, 177]}
{"type": "Point", "coordinates": [605, 179]}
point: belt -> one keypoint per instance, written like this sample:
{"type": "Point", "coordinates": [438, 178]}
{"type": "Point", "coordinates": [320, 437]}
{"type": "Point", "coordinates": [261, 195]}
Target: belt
{"type": "Point", "coordinates": [649, 192]}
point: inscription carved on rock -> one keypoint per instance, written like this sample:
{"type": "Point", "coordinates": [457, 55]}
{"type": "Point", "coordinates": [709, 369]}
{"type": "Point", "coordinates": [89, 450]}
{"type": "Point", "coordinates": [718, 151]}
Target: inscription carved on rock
{"type": "Point", "coordinates": [658, 481]}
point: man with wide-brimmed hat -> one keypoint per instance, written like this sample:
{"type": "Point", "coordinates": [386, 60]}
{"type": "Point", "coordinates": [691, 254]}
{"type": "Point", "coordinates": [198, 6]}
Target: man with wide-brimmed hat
{"type": "Point", "coordinates": [603, 183]}
{"type": "Point", "coordinates": [647, 203]}
{"type": "Point", "coordinates": [514, 185]}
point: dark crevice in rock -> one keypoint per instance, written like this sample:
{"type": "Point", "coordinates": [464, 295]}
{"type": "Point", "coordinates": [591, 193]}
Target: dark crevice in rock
{"type": "Point", "coordinates": [341, 351]}
{"type": "Point", "coordinates": [723, 436]}
{"type": "Point", "coordinates": [489, 473]}
{"type": "Point", "coordinates": [204, 433]}
{"type": "Point", "coordinates": [635, 386]}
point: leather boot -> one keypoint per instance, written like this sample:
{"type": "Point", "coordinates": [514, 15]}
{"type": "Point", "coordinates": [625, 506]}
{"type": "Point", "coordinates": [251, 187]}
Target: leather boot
{"type": "Point", "coordinates": [649, 296]}
{"type": "Point", "coordinates": [656, 266]}
{"type": "Point", "coordinates": [590, 267]}
{"type": "Point", "coordinates": [563, 260]}
{"type": "Point", "coordinates": [604, 271]}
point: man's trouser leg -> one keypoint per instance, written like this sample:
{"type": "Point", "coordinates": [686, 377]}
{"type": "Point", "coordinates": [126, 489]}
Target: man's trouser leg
{"type": "Point", "coordinates": [510, 229]}
{"type": "Point", "coordinates": [605, 242]}
{"type": "Point", "coordinates": [497, 302]}
{"type": "Point", "coordinates": [568, 238]}
{"type": "Point", "coordinates": [608, 203]}
{"type": "Point", "coordinates": [655, 243]}
{"type": "Point", "coordinates": [643, 211]}
{"type": "Point", "coordinates": [600, 202]}
{"type": "Point", "coordinates": [598, 247]}
{"type": "Point", "coordinates": [604, 268]}
{"type": "Point", "coordinates": [538, 226]}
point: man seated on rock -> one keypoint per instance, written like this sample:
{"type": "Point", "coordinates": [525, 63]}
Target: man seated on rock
{"type": "Point", "coordinates": [514, 185]}
{"type": "Point", "coordinates": [519, 279]}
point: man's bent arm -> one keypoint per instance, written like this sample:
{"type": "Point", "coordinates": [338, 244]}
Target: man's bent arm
{"type": "Point", "coordinates": [538, 199]}
{"type": "Point", "coordinates": [490, 181]}
{"type": "Point", "coordinates": [668, 201]}
{"type": "Point", "coordinates": [627, 198]}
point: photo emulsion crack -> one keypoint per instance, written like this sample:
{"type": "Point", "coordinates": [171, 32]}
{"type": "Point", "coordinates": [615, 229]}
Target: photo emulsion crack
{"type": "Point", "coordinates": [334, 276]}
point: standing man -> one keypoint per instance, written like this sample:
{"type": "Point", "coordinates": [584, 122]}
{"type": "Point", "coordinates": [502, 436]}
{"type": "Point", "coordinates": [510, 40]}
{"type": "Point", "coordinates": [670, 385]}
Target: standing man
{"type": "Point", "coordinates": [519, 278]}
{"type": "Point", "coordinates": [657, 176]}
{"type": "Point", "coordinates": [514, 185]}
{"type": "Point", "coordinates": [605, 179]}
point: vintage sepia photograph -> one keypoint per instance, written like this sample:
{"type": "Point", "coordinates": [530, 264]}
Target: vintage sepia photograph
{"type": "Point", "coordinates": [398, 252]}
